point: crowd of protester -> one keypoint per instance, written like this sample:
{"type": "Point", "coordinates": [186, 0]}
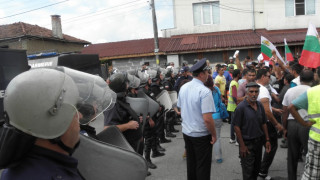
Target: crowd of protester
{"type": "Point", "coordinates": [268, 87]}
{"type": "Point", "coordinates": [276, 85]}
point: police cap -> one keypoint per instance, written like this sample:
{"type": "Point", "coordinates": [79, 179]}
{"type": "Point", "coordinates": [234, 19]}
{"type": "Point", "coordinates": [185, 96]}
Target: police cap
{"type": "Point", "coordinates": [252, 84]}
{"type": "Point", "coordinates": [200, 66]}
{"type": "Point", "coordinates": [184, 69]}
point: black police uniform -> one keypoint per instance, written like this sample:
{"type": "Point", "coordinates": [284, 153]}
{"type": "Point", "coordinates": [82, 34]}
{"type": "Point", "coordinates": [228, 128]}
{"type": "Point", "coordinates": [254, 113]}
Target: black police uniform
{"type": "Point", "coordinates": [122, 113]}
{"type": "Point", "coordinates": [152, 135]}
{"type": "Point", "coordinates": [179, 80]}
{"type": "Point", "coordinates": [168, 84]}
{"type": "Point", "coordinates": [44, 164]}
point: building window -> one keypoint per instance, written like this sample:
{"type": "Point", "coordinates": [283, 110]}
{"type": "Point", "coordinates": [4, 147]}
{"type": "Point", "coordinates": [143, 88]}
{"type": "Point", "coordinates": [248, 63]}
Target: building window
{"type": "Point", "coordinates": [300, 7]}
{"type": "Point", "coordinates": [206, 13]}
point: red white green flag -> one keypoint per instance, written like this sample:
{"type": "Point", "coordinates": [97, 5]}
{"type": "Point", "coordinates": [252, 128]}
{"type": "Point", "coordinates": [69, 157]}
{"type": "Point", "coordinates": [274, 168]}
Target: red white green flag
{"type": "Point", "coordinates": [310, 56]}
{"type": "Point", "coordinates": [266, 49]}
{"type": "Point", "coordinates": [289, 56]}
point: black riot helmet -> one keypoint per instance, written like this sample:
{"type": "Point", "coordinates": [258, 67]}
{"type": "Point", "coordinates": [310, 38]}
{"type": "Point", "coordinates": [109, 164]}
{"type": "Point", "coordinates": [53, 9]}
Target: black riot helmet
{"type": "Point", "coordinates": [169, 73]}
{"type": "Point", "coordinates": [118, 82]}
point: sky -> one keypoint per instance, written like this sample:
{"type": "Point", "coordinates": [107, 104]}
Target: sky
{"type": "Point", "coordinates": [96, 21]}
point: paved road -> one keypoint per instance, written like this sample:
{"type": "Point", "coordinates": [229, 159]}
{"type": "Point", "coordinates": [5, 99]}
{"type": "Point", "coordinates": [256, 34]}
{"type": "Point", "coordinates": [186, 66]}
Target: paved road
{"type": "Point", "coordinates": [173, 167]}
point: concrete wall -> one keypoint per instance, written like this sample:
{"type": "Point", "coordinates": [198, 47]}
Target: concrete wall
{"type": "Point", "coordinates": [35, 46]}
{"type": "Point", "coordinates": [272, 18]}
{"type": "Point", "coordinates": [136, 63]}
{"type": "Point", "coordinates": [12, 45]}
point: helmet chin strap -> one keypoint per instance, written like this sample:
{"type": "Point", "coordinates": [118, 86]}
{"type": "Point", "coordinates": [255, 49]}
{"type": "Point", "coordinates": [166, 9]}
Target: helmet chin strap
{"type": "Point", "coordinates": [63, 146]}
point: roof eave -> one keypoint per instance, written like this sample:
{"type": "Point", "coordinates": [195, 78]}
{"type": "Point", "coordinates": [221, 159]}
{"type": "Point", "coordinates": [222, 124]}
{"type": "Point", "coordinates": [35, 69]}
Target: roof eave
{"type": "Point", "coordinates": [45, 38]}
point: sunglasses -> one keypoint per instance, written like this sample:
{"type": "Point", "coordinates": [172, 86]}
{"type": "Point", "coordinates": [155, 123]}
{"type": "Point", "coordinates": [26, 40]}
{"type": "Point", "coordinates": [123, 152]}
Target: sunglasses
{"type": "Point", "coordinates": [254, 92]}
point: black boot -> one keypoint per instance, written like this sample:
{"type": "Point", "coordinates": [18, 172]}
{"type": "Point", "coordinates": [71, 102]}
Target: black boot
{"type": "Point", "coordinates": [156, 154]}
{"type": "Point", "coordinates": [165, 140]}
{"type": "Point", "coordinates": [168, 130]}
{"type": "Point", "coordinates": [171, 125]}
{"type": "Point", "coordinates": [149, 163]}
{"type": "Point", "coordinates": [169, 134]}
{"type": "Point", "coordinates": [172, 129]}
{"type": "Point", "coordinates": [160, 149]}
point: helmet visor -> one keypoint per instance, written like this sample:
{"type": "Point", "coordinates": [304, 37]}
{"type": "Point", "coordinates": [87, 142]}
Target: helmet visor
{"type": "Point", "coordinates": [95, 96]}
{"type": "Point", "coordinates": [134, 82]}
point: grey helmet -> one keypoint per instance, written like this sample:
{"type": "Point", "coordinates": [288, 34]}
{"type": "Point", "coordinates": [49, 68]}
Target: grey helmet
{"type": "Point", "coordinates": [42, 102]}
{"type": "Point", "coordinates": [154, 74]}
{"type": "Point", "coordinates": [144, 77]}
{"type": "Point", "coordinates": [134, 82]}
{"type": "Point", "coordinates": [118, 82]}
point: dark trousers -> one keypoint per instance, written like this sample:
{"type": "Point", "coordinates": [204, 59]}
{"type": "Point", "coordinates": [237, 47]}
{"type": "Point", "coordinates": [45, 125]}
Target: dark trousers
{"type": "Point", "coordinates": [251, 163]}
{"type": "Point", "coordinates": [150, 138]}
{"type": "Point", "coordinates": [268, 157]}
{"type": "Point", "coordinates": [199, 156]}
{"type": "Point", "coordinates": [159, 126]}
{"type": "Point", "coordinates": [297, 137]}
{"type": "Point", "coordinates": [232, 135]}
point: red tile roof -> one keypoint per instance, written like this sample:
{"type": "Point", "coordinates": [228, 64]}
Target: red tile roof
{"type": "Point", "coordinates": [215, 41]}
{"type": "Point", "coordinates": [21, 29]}
{"type": "Point", "coordinates": [126, 48]}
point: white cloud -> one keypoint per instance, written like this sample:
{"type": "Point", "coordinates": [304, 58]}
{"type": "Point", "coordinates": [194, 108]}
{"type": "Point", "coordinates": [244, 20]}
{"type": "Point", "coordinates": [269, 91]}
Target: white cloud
{"type": "Point", "coordinates": [96, 21]}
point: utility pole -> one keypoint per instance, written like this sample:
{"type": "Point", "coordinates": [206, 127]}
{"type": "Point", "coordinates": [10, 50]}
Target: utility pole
{"type": "Point", "coordinates": [253, 18]}
{"type": "Point", "coordinates": [155, 32]}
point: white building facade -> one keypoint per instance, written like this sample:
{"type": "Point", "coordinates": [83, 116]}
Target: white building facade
{"type": "Point", "coordinates": [205, 16]}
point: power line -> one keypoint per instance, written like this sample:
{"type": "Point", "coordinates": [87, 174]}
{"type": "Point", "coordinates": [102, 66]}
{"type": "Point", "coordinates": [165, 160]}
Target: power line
{"type": "Point", "coordinates": [96, 13]}
{"type": "Point", "coordinates": [34, 9]}
{"type": "Point", "coordinates": [14, 5]}
{"type": "Point", "coordinates": [88, 21]}
{"type": "Point", "coordinates": [229, 8]}
{"type": "Point", "coordinates": [117, 14]}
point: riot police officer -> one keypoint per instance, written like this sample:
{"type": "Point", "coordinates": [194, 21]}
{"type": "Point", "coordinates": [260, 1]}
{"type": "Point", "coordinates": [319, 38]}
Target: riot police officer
{"type": "Point", "coordinates": [122, 114]}
{"type": "Point", "coordinates": [150, 135]}
{"type": "Point", "coordinates": [42, 134]}
{"type": "Point", "coordinates": [169, 81]}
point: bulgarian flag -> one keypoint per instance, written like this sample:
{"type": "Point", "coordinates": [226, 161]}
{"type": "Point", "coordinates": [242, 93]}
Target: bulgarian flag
{"type": "Point", "coordinates": [289, 56]}
{"type": "Point", "coordinates": [266, 49]}
{"type": "Point", "coordinates": [310, 56]}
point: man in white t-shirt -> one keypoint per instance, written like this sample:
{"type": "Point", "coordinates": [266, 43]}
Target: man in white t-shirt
{"type": "Point", "coordinates": [263, 78]}
{"type": "Point", "coordinates": [297, 135]}
{"type": "Point", "coordinates": [295, 70]}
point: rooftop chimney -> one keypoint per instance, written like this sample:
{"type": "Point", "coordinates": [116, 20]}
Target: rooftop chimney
{"type": "Point", "coordinates": [56, 26]}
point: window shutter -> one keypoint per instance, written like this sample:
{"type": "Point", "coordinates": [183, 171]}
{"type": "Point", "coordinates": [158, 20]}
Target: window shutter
{"type": "Point", "coordinates": [206, 14]}
{"type": "Point", "coordinates": [197, 14]}
{"type": "Point", "coordinates": [215, 13]}
{"type": "Point", "coordinates": [289, 5]}
{"type": "Point", "coordinates": [310, 7]}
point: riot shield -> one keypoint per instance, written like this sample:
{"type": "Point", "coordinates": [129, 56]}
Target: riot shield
{"type": "Point", "coordinates": [173, 96]}
{"type": "Point", "coordinates": [133, 72]}
{"type": "Point", "coordinates": [163, 71]}
{"type": "Point", "coordinates": [164, 99]}
{"type": "Point", "coordinates": [152, 73]}
{"type": "Point", "coordinates": [100, 161]}
{"type": "Point", "coordinates": [153, 105]}
{"type": "Point", "coordinates": [111, 136]}
{"type": "Point", "coordinates": [140, 106]}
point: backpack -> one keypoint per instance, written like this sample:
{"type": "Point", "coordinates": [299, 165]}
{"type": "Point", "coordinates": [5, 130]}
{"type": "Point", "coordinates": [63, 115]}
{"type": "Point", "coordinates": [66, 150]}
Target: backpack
{"type": "Point", "coordinates": [222, 107]}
